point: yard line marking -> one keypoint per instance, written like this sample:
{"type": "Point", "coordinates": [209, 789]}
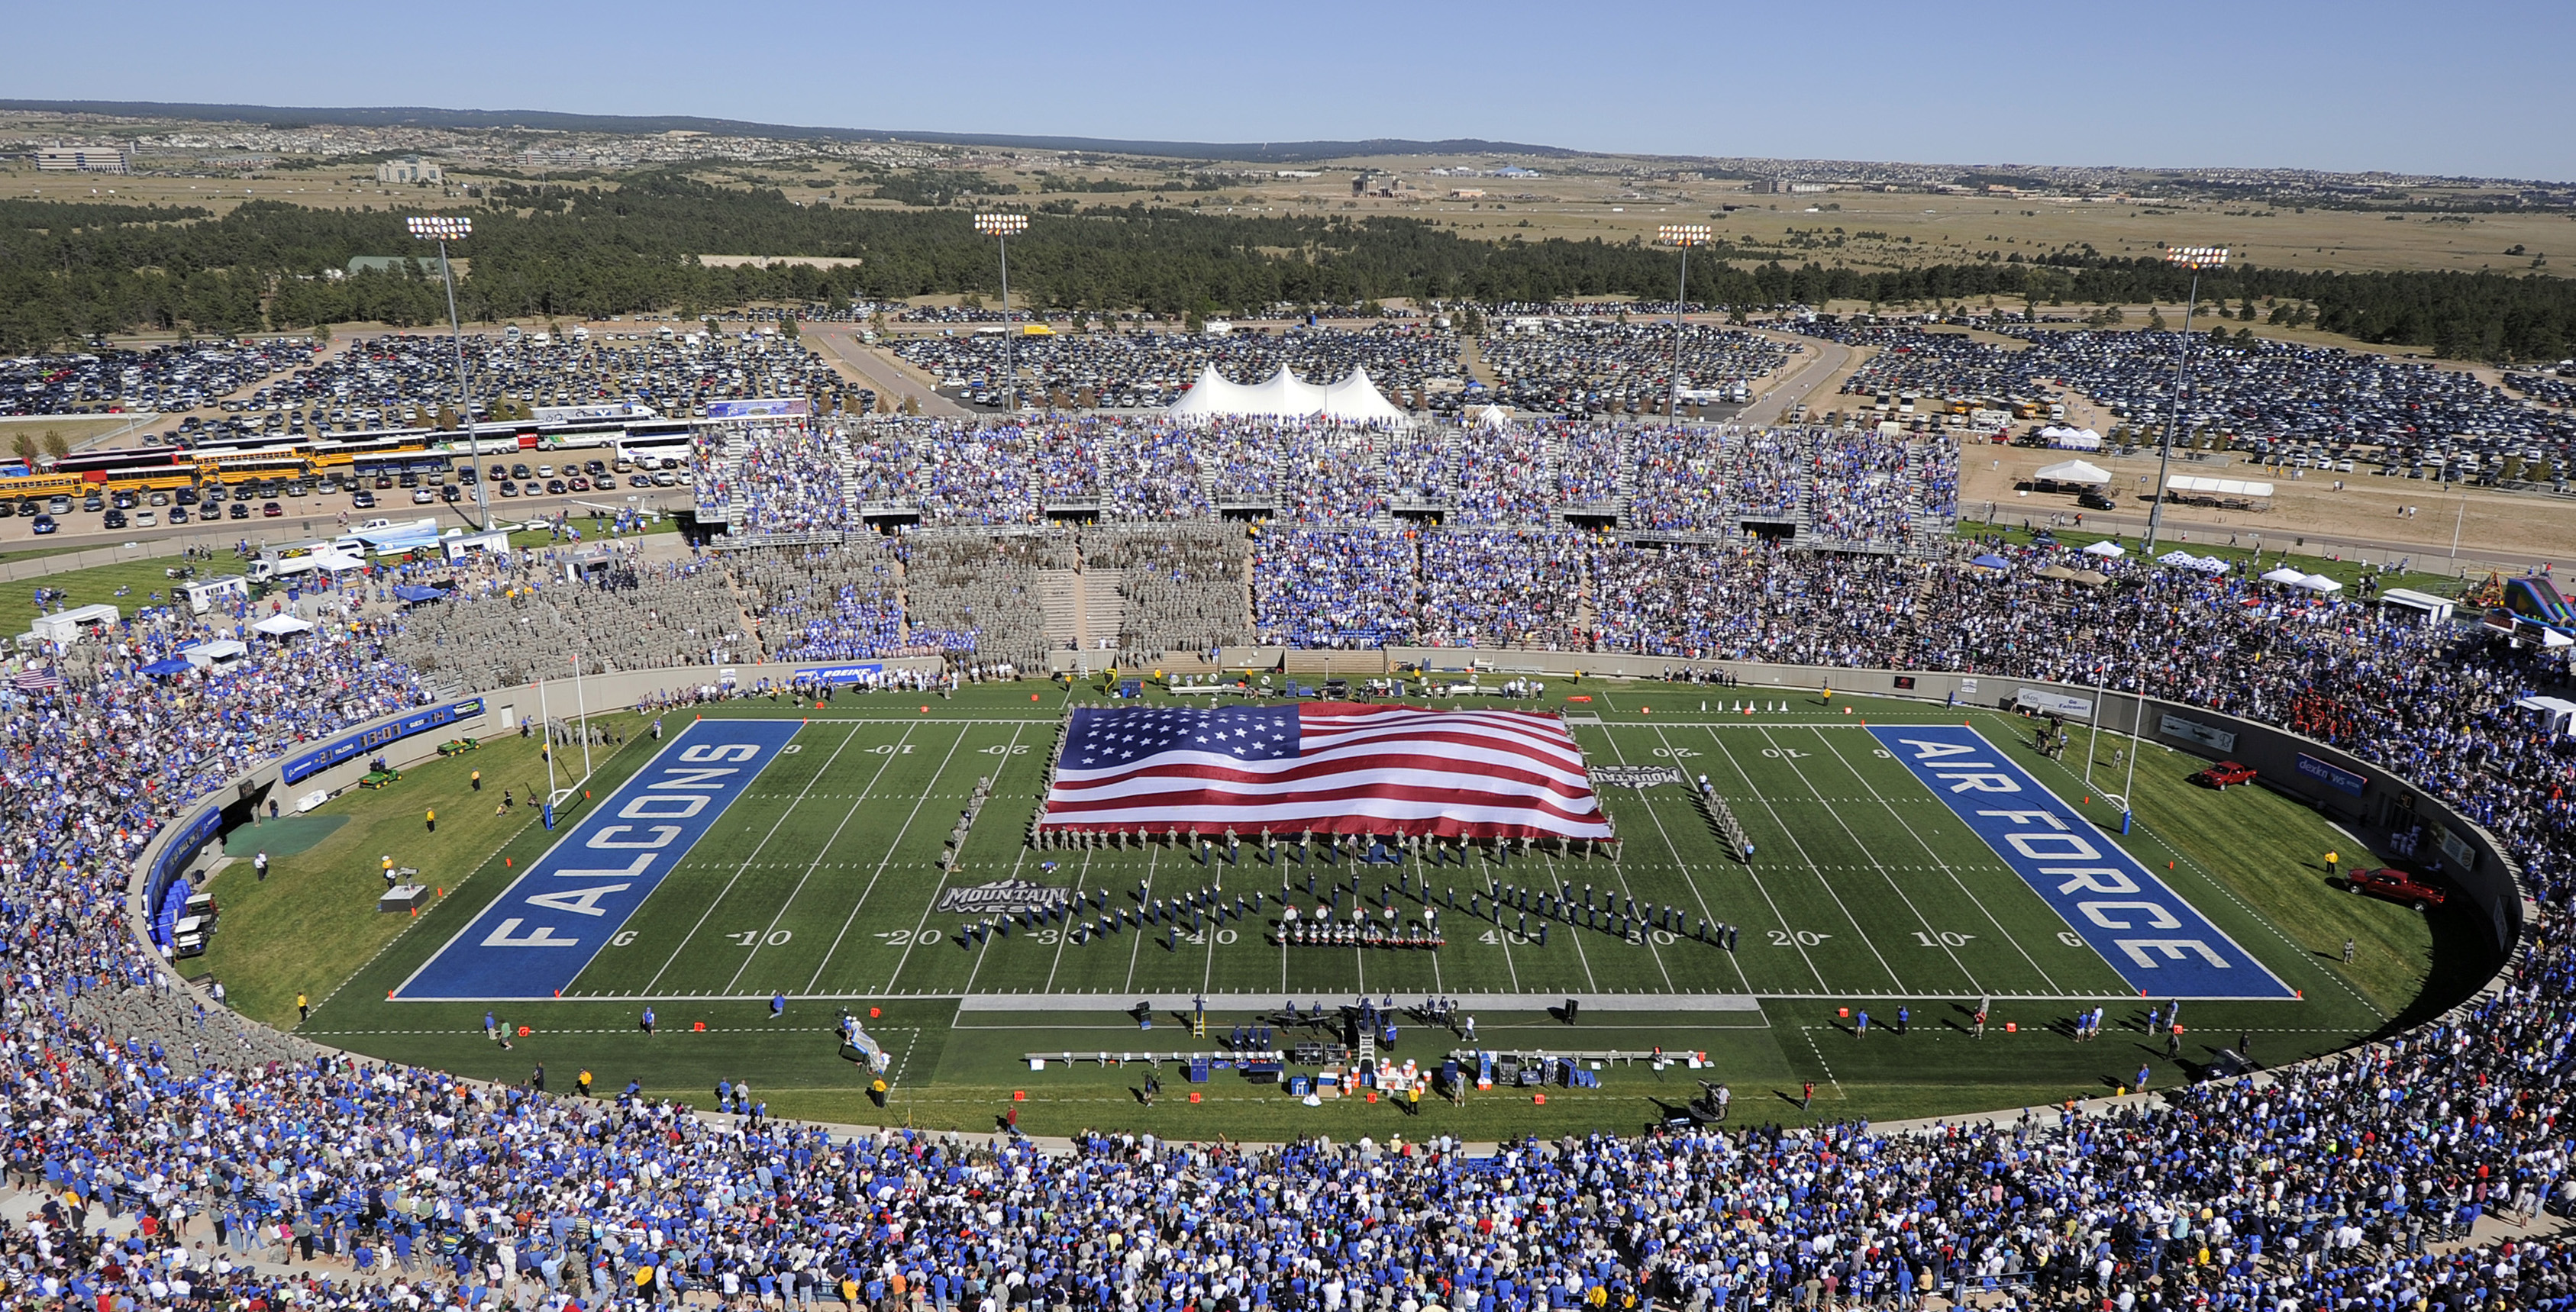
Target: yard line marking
{"type": "Point", "coordinates": [933, 899]}
{"type": "Point", "coordinates": [1629, 890]}
{"type": "Point", "coordinates": [1765, 889]}
{"type": "Point", "coordinates": [984, 949]}
{"type": "Point", "coordinates": [882, 862]}
{"type": "Point", "coordinates": [1136, 940]}
{"type": "Point", "coordinates": [1857, 842]}
{"type": "Point", "coordinates": [1812, 1046]}
{"type": "Point", "coordinates": [1939, 863]}
{"type": "Point", "coordinates": [1682, 866]}
{"type": "Point", "coordinates": [857, 801]}
{"type": "Point", "coordinates": [1066, 936]}
{"type": "Point", "coordinates": [757, 848]}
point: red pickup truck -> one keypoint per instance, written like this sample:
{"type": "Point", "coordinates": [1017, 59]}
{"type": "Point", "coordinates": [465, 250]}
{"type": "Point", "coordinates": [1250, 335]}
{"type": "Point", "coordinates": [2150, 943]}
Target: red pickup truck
{"type": "Point", "coordinates": [2397, 886]}
{"type": "Point", "coordinates": [2225, 773]}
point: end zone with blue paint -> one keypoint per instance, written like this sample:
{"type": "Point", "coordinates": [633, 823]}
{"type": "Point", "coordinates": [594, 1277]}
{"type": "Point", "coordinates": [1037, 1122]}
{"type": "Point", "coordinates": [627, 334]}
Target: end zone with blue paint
{"type": "Point", "coordinates": [541, 932]}
{"type": "Point", "coordinates": [2159, 943]}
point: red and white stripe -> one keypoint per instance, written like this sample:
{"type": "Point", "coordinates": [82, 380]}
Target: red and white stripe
{"type": "Point", "coordinates": [1360, 769]}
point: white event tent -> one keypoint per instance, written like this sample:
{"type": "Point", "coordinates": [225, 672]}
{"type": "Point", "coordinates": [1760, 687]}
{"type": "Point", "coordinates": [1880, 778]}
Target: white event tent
{"type": "Point", "coordinates": [1354, 400]}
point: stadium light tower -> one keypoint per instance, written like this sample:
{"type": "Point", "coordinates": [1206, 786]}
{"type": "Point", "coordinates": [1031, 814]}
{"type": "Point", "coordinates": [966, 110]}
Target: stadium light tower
{"type": "Point", "coordinates": [1685, 236]}
{"type": "Point", "coordinates": [443, 228]}
{"type": "Point", "coordinates": [2194, 258]}
{"type": "Point", "coordinates": [1000, 226]}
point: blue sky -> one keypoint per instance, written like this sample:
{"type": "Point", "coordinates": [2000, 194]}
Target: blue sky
{"type": "Point", "coordinates": [2460, 88]}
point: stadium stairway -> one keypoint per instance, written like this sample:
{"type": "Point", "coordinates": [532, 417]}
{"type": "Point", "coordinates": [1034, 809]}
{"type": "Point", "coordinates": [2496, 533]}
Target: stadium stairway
{"type": "Point", "coordinates": [846, 465]}
{"type": "Point", "coordinates": [737, 511]}
{"type": "Point", "coordinates": [1099, 612]}
{"type": "Point", "coordinates": [1060, 596]}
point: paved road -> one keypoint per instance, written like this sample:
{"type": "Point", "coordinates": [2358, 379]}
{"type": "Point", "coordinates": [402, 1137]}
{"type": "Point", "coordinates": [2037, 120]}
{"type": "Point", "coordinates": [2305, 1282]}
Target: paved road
{"type": "Point", "coordinates": [841, 343]}
{"type": "Point", "coordinates": [1826, 359]}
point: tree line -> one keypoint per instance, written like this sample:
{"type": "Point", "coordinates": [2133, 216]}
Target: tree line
{"type": "Point", "coordinates": [69, 271]}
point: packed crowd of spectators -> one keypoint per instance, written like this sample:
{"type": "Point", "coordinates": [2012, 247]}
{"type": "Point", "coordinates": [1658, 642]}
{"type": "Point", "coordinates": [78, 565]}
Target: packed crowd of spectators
{"type": "Point", "coordinates": [2338, 1185]}
{"type": "Point", "coordinates": [1182, 588]}
{"type": "Point", "coordinates": [513, 622]}
{"type": "Point", "coordinates": [980, 593]}
{"type": "Point", "coordinates": [1149, 370]}
{"type": "Point", "coordinates": [1587, 366]}
{"type": "Point", "coordinates": [839, 603]}
{"type": "Point", "coordinates": [1503, 476]}
{"type": "Point", "coordinates": [1500, 588]}
{"type": "Point", "coordinates": [791, 476]}
{"type": "Point", "coordinates": [179, 376]}
{"type": "Point", "coordinates": [1340, 588]}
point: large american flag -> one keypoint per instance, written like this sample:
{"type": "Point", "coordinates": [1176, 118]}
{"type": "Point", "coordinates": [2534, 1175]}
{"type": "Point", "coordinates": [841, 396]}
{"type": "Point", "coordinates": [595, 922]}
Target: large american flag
{"type": "Point", "coordinates": [1323, 767]}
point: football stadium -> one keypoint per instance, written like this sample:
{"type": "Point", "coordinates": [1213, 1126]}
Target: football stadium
{"type": "Point", "coordinates": [1526, 915]}
{"type": "Point", "coordinates": [1339, 753]}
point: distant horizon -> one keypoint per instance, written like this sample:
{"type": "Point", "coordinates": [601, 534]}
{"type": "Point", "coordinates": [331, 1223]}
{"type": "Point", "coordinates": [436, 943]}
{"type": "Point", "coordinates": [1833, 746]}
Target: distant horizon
{"type": "Point", "coordinates": [2473, 90]}
{"type": "Point", "coordinates": [472, 119]}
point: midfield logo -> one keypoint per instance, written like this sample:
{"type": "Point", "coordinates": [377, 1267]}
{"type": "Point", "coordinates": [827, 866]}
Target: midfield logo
{"type": "Point", "coordinates": [1001, 897]}
{"type": "Point", "coordinates": [1634, 776]}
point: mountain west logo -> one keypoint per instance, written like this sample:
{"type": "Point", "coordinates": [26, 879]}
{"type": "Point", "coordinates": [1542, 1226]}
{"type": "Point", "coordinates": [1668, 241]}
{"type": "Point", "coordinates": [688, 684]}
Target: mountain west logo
{"type": "Point", "coordinates": [1634, 776]}
{"type": "Point", "coordinates": [1001, 897]}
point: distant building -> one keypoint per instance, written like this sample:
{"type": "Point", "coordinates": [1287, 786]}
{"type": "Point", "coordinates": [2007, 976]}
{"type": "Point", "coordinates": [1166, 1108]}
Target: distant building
{"type": "Point", "coordinates": [408, 169]}
{"type": "Point", "coordinates": [1515, 171]}
{"type": "Point", "coordinates": [1466, 193]}
{"type": "Point", "coordinates": [84, 159]}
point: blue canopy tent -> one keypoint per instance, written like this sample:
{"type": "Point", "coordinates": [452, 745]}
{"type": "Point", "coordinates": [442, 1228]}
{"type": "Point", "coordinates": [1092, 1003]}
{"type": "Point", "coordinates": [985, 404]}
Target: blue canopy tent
{"type": "Point", "coordinates": [419, 592]}
{"type": "Point", "coordinates": [173, 665]}
{"type": "Point", "coordinates": [1991, 561]}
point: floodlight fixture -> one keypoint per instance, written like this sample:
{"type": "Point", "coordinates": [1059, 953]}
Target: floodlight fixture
{"type": "Point", "coordinates": [2196, 259]}
{"type": "Point", "coordinates": [444, 228]}
{"type": "Point", "coordinates": [1002, 225]}
{"type": "Point", "coordinates": [1684, 236]}
{"type": "Point", "coordinates": [440, 227]}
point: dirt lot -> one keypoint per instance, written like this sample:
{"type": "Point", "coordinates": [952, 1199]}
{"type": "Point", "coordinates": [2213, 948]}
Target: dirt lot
{"type": "Point", "coordinates": [2366, 513]}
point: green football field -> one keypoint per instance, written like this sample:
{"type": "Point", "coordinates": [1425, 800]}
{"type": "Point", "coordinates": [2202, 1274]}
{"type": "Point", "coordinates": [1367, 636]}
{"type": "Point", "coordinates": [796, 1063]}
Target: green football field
{"type": "Point", "coordinates": [823, 882]}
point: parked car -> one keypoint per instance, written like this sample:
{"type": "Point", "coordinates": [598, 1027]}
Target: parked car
{"type": "Point", "coordinates": [270, 510]}
{"type": "Point", "coordinates": [2224, 774]}
{"type": "Point", "coordinates": [44, 525]}
{"type": "Point", "coordinates": [2397, 886]}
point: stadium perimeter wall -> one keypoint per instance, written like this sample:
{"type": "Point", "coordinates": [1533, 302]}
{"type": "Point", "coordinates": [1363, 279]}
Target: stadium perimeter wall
{"type": "Point", "coordinates": [2381, 801]}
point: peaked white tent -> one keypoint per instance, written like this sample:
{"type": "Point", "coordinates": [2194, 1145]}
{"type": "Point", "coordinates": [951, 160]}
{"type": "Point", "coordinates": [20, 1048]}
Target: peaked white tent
{"type": "Point", "coordinates": [2285, 575]}
{"type": "Point", "coordinates": [1356, 400]}
{"type": "Point", "coordinates": [2073, 471]}
{"type": "Point", "coordinates": [1283, 395]}
{"type": "Point", "coordinates": [2106, 549]}
{"type": "Point", "coordinates": [1493, 417]}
